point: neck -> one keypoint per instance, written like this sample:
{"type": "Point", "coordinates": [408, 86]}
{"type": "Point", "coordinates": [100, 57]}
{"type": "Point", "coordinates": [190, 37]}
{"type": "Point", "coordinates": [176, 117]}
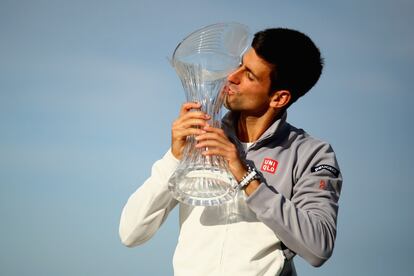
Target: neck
{"type": "Point", "coordinates": [250, 127]}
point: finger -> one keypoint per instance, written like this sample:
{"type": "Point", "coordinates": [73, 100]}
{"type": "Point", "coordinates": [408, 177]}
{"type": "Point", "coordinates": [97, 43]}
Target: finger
{"type": "Point", "coordinates": [195, 114]}
{"type": "Point", "coordinates": [218, 131]}
{"type": "Point", "coordinates": [212, 144]}
{"type": "Point", "coordinates": [191, 123]}
{"type": "Point", "coordinates": [191, 115]}
{"type": "Point", "coordinates": [194, 123]}
{"type": "Point", "coordinates": [186, 107]}
{"type": "Point", "coordinates": [210, 136]}
{"type": "Point", "coordinates": [182, 133]}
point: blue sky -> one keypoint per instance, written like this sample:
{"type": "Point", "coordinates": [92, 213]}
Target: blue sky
{"type": "Point", "coordinates": [87, 97]}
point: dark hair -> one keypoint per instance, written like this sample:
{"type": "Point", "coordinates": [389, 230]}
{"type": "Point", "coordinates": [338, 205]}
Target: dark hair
{"type": "Point", "coordinates": [296, 59]}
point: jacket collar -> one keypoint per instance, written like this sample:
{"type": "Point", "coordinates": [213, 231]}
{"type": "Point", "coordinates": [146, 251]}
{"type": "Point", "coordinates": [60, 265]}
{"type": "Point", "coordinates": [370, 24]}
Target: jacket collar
{"type": "Point", "coordinates": [230, 119]}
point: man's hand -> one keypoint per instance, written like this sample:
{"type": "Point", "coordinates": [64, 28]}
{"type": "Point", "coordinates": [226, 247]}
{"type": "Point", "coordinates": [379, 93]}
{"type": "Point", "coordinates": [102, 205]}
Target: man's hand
{"type": "Point", "coordinates": [216, 143]}
{"type": "Point", "coordinates": [188, 123]}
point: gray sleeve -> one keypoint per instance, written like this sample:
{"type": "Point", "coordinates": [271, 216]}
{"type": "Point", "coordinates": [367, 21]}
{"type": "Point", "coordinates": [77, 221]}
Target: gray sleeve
{"type": "Point", "coordinates": [306, 222]}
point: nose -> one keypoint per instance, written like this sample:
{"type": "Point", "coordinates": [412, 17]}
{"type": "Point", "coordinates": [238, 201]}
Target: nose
{"type": "Point", "coordinates": [234, 77]}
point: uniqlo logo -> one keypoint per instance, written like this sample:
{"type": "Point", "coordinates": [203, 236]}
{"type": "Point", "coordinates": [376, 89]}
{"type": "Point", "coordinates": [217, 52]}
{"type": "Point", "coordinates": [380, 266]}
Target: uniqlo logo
{"type": "Point", "coordinates": [269, 165]}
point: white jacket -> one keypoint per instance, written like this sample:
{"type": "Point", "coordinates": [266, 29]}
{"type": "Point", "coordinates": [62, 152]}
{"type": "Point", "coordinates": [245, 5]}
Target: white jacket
{"type": "Point", "coordinates": [218, 240]}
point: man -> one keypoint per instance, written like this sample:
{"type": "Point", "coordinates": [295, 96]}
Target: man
{"type": "Point", "coordinates": [291, 181]}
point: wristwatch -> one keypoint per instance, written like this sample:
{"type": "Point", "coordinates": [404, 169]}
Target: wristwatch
{"type": "Point", "coordinates": [251, 174]}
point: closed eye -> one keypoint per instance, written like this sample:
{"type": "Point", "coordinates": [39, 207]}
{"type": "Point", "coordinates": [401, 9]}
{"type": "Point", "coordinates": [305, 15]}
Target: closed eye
{"type": "Point", "coordinates": [250, 75]}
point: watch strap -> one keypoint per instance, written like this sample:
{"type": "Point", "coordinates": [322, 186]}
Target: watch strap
{"type": "Point", "coordinates": [250, 175]}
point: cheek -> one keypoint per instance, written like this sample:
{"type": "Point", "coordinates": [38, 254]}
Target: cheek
{"type": "Point", "coordinates": [256, 101]}
{"type": "Point", "coordinates": [250, 88]}
{"type": "Point", "coordinates": [260, 98]}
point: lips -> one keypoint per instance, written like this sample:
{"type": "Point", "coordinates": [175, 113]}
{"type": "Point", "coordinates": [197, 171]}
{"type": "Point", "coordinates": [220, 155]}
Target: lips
{"type": "Point", "coordinates": [230, 89]}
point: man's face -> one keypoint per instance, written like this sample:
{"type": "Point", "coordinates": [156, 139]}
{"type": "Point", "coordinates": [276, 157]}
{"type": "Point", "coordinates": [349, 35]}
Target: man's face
{"type": "Point", "coordinates": [249, 86]}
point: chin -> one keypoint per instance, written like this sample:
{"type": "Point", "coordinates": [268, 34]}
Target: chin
{"type": "Point", "coordinates": [231, 105]}
{"type": "Point", "coordinates": [228, 106]}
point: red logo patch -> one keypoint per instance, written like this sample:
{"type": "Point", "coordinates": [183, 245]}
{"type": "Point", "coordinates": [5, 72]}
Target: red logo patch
{"type": "Point", "coordinates": [269, 165]}
{"type": "Point", "coordinates": [322, 185]}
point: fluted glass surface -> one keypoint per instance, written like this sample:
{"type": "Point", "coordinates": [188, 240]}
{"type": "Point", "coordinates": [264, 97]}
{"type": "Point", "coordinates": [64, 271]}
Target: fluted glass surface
{"type": "Point", "coordinates": [202, 61]}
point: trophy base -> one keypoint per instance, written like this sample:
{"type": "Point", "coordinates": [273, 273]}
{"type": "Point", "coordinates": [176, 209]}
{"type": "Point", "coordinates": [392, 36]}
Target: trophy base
{"type": "Point", "coordinates": [202, 187]}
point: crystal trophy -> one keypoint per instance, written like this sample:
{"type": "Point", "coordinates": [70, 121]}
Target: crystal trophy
{"type": "Point", "coordinates": [202, 61]}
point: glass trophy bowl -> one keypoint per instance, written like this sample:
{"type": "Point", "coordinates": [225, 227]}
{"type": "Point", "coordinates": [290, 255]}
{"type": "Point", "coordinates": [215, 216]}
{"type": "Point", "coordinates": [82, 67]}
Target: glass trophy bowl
{"type": "Point", "coordinates": [202, 61]}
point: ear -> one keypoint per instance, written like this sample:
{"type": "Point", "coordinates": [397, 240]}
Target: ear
{"type": "Point", "coordinates": [280, 99]}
